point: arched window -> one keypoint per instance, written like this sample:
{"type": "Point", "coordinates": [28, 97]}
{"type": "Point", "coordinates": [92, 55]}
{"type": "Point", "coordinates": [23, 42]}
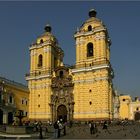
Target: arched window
{"type": "Point", "coordinates": [89, 28]}
{"type": "Point", "coordinates": [41, 41]}
{"type": "Point", "coordinates": [61, 74]}
{"type": "Point", "coordinates": [40, 60]}
{"type": "Point", "coordinates": [89, 49]}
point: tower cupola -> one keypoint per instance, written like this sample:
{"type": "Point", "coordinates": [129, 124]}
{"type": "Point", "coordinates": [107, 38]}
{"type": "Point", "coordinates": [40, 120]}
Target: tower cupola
{"type": "Point", "coordinates": [92, 13]}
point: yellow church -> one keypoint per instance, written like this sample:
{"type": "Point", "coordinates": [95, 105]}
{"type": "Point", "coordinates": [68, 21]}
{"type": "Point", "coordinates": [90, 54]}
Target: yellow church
{"type": "Point", "coordinates": [81, 92]}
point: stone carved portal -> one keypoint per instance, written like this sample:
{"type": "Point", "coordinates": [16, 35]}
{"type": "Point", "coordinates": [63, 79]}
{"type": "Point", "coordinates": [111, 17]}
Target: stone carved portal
{"type": "Point", "coordinates": [62, 113]}
{"type": "Point", "coordinates": [137, 116]}
{"type": "Point", "coordinates": [62, 100]}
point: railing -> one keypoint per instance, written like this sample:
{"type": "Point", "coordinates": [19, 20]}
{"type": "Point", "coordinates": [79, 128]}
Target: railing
{"type": "Point", "coordinates": [4, 103]}
{"type": "Point", "coordinates": [93, 63]}
{"type": "Point", "coordinates": [38, 73]}
{"type": "Point", "coordinates": [13, 105]}
{"type": "Point", "coordinates": [96, 29]}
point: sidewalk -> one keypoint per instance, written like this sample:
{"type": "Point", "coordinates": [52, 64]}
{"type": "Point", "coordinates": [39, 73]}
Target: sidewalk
{"type": "Point", "coordinates": [25, 136]}
{"type": "Point", "coordinates": [5, 135]}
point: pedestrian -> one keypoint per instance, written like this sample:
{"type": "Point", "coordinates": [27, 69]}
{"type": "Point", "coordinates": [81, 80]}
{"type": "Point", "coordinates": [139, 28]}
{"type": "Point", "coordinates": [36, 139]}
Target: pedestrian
{"type": "Point", "coordinates": [36, 126]}
{"type": "Point", "coordinates": [60, 127]}
{"type": "Point", "coordinates": [105, 125]}
{"type": "Point", "coordinates": [91, 126]}
{"type": "Point", "coordinates": [40, 132]}
{"type": "Point", "coordinates": [46, 130]}
{"type": "Point", "coordinates": [96, 129]}
{"type": "Point", "coordinates": [64, 127]}
{"type": "Point", "coordinates": [56, 127]}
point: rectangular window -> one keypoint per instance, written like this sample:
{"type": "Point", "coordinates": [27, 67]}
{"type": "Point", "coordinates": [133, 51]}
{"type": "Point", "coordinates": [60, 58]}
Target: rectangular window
{"type": "Point", "coordinates": [10, 99]}
{"type": "Point", "coordinates": [26, 102]}
{"type": "Point", "coordinates": [22, 101]}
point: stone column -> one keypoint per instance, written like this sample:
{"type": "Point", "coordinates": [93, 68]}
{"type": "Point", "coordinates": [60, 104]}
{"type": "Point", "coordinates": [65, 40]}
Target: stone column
{"type": "Point", "coordinates": [5, 117]}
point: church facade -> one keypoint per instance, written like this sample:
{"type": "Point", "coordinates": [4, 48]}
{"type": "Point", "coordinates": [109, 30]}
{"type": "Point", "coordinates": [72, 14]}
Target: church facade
{"type": "Point", "coordinates": [80, 92]}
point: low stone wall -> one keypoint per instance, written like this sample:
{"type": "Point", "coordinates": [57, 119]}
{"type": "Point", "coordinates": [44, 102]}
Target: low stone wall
{"type": "Point", "coordinates": [19, 129]}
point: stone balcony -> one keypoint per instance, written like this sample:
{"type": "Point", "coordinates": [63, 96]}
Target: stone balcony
{"type": "Point", "coordinates": [38, 73]}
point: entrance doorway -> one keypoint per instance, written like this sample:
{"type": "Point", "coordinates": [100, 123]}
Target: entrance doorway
{"type": "Point", "coordinates": [137, 116]}
{"type": "Point", "coordinates": [10, 118]}
{"type": "Point", "coordinates": [1, 116]}
{"type": "Point", "coordinates": [62, 113]}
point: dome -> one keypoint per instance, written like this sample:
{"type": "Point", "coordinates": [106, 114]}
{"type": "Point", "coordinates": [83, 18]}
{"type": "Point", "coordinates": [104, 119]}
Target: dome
{"type": "Point", "coordinates": [47, 35]}
{"type": "Point", "coordinates": [92, 22]}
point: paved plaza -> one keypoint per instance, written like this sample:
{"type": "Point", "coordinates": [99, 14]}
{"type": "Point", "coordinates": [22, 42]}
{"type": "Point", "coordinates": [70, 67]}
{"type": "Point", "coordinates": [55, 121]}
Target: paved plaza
{"type": "Point", "coordinates": [113, 132]}
{"type": "Point", "coordinates": [82, 131]}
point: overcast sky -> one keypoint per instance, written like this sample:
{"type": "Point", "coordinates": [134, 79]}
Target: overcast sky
{"type": "Point", "coordinates": [22, 22]}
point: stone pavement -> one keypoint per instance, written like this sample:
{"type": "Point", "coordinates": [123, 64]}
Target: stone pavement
{"type": "Point", "coordinates": [114, 132]}
{"type": "Point", "coordinates": [82, 132]}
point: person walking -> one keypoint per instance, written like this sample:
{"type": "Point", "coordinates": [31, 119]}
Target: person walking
{"type": "Point", "coordinates": [40, 132]}
{"type": "Point", "coordinates": [105, 126]}
{"type": "Point", "coordinates": [60, 127]}
{"type": "Point", "coordinates": [56, 127]}
{"type": "Point", "coordinates": [91, 126]}
{"type": "Point", "coordinates": [96, 129]}
{"type": "Point", "coordinates": [64, 127]}
{"type": "Point", "coordinates": [36, 126]}
{"type": "Point", "coordinates": [46, 130]}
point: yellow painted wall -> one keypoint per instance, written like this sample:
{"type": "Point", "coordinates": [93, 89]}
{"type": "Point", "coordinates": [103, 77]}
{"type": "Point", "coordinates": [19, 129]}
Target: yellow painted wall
{"type": "Point", "coordinates": [19, 93]}
{"type": "Point", "coordinates": [134, 108]}
{"type": "Point", "coordinates": [124, 110]}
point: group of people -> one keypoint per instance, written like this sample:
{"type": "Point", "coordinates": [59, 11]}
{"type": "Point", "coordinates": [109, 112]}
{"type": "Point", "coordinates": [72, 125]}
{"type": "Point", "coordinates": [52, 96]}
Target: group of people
{"type": "Point", "coordinates": [59, 126]}
{"type": "Point", "coordinates": [93, 127]}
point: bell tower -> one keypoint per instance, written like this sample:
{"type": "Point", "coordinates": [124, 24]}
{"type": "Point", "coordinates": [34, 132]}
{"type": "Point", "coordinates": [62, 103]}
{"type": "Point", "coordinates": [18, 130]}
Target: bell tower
{"type": "Point", "coordinates": [93, 74]}
{"type": "Point", "coordinates": [45, 56]}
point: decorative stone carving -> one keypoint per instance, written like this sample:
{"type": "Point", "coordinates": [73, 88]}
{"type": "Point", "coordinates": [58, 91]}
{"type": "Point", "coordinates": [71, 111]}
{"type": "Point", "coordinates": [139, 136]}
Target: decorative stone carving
{"type": "Point", "coordinates": [62, 86]}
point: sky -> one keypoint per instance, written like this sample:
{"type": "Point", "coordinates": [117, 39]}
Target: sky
{"type": "Point", "coordinates": [21, 22]}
